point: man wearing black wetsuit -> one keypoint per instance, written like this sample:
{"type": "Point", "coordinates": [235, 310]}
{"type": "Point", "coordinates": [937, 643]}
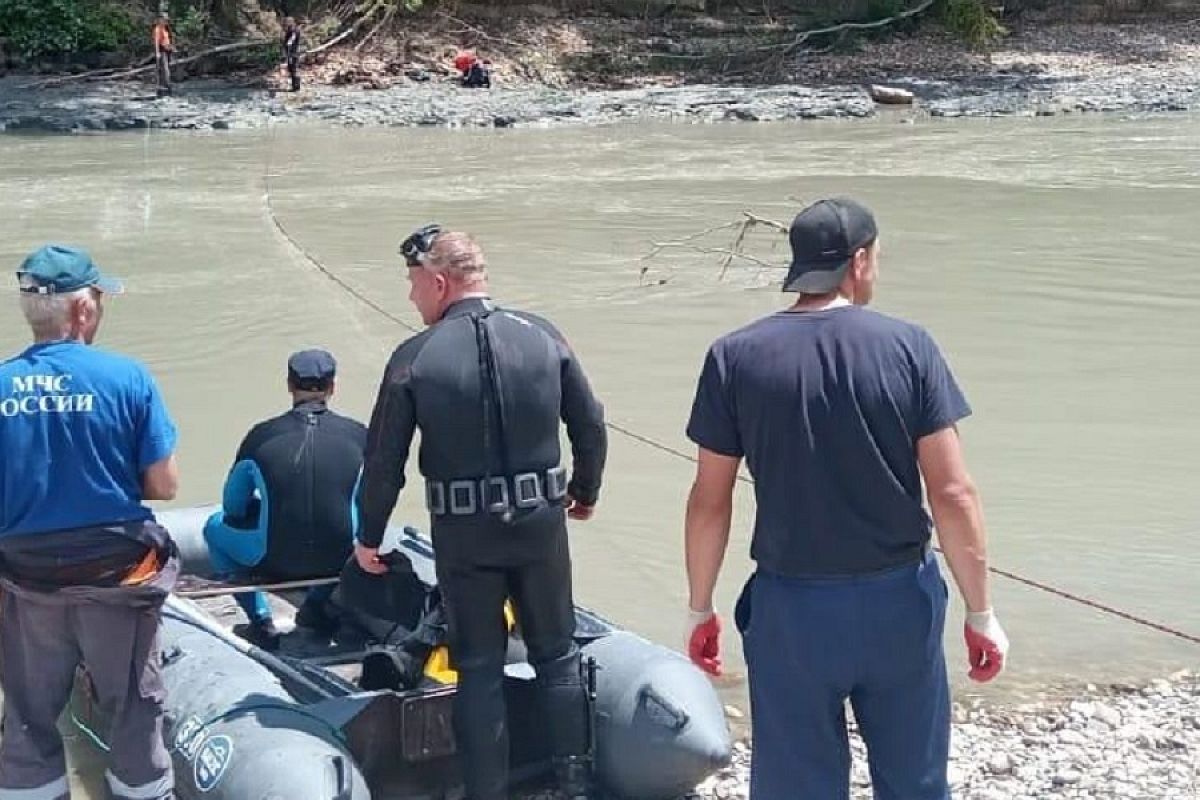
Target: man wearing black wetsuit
{"type": "Point", "coordinates": [291, 51]}
{"type": "Point", "coordinates": [487, 387]}
{"type": "Point", "coordinates": [288, 508]}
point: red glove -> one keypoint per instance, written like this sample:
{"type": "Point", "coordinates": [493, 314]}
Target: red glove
{"type": "Point", "coordinates": [704, 640]}
{"type": "Point", "coordinates": [987, 645]}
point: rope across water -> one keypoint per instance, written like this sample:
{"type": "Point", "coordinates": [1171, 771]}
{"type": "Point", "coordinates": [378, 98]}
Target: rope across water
{"type": "Point", "coordinates": [665, 448]}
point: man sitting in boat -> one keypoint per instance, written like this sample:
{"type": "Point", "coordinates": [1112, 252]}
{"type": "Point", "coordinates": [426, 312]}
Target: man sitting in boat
{"type": "Point", "coordinates": [288, 508]}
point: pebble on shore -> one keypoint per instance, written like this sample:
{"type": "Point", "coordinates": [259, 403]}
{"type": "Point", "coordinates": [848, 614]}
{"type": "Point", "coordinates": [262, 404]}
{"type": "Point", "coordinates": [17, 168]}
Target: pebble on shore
{"type": "Point", "coordinates": [1119, 742]}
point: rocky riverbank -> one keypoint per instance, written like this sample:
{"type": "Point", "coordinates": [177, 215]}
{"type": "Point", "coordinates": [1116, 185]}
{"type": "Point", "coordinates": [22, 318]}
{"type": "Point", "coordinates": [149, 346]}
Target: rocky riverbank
{"type": "Point", "coordinates": [1046, 71]}
{"type": "Point", "coordinates": [1118, 742]}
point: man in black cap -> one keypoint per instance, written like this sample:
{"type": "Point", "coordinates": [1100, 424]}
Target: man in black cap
{"type": "Point", "coordinates": [488, 387]}
{"type": "Point", "coordinates": [839, 412]}
{"type": "Point", "coordinates": [288, 508]}
{"type": "Point", "coordinates": [291, 51]}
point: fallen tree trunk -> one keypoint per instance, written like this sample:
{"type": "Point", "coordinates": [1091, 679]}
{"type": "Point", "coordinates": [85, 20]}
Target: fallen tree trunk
{"type": "Point", "coordinates": [111, 75]}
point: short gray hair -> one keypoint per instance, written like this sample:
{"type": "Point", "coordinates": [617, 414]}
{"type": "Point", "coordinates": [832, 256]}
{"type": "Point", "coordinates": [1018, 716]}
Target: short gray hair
{"type": "Point", "coordinates": [49, 315]}
{"type": "Point", "coordinates": [458, 256]}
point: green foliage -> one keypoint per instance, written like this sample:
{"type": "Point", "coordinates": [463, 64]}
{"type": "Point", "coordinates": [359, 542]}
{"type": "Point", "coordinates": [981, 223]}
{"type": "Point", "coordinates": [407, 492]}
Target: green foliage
{"type": "Point", "coordinates": [972, 20]}
{"type": "Point", "coordinates": [45, 28]}
{"type": "Point", "coordinates": [190, 24]}
{"type": "Point", "coordinates": [106, 28]}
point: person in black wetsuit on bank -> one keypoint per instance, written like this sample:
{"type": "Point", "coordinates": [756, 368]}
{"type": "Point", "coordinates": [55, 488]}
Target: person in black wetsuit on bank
{"type": "Point", "coordinates": [487, 387]}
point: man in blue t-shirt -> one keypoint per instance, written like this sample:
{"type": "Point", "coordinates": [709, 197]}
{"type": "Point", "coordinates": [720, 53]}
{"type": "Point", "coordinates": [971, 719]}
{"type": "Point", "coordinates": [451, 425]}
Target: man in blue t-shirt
{"type": "Point", "coordinates": [839, 413]}
{"type": "Point", "coordinates": [84, 569]}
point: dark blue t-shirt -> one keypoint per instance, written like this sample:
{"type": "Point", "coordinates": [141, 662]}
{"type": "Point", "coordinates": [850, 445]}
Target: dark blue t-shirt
{"type": "Point", "coordinates": [827, 407]}
{"type": "Point", "coordinates": [78, 427]}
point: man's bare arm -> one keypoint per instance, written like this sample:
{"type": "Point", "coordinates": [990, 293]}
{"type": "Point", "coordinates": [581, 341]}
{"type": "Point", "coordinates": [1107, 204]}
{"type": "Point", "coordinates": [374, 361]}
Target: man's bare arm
{"type": "Point", "coordinates": [706, 532]}
{"type": "Point", "coordinates": [957, 514]}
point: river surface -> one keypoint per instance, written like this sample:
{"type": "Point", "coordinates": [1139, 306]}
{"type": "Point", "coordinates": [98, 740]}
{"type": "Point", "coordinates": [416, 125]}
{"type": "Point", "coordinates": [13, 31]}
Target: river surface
{"type": "Point", "coordinates": [1054, 260]}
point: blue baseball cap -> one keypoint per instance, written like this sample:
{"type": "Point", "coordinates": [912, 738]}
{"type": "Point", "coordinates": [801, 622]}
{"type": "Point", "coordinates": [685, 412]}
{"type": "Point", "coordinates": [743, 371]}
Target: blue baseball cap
{"type": "Point", "coordinates": [57, 268]}
{"type": "Point", "coordinates": [311, 369]}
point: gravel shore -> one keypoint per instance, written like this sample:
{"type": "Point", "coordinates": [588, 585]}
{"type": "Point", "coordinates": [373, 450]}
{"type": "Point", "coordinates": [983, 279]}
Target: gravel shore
{"type": "Point", "coordinates": [1119, 742]}
{"type": "Point", "coordinates": [1046, 71]}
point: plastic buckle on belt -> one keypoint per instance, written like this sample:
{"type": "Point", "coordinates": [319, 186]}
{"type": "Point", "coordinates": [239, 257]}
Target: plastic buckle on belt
{"type": "Point", "coordinates": [462, 498]}
{"type": "Point", "coordinates": [556, 483]}
{"type": "Point", "coordinates": [435, 497]}
{"type": "Point", "coordinates": [529, 490]}
{"type": "Point", "coordinates": [495, 506]}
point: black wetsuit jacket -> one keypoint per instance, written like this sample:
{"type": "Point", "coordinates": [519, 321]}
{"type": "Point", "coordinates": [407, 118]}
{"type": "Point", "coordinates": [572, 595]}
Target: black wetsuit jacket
{"type": "Point", "coordinates": [487, 387]}
{"type": "Point", "coordinates": [310, 459]}
{"type": "Point", "coordinates": [291, 45]}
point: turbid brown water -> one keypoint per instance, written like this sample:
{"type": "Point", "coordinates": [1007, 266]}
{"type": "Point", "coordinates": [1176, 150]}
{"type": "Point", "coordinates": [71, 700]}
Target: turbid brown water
{"type": "Point", "coordinates": [1054, 261]}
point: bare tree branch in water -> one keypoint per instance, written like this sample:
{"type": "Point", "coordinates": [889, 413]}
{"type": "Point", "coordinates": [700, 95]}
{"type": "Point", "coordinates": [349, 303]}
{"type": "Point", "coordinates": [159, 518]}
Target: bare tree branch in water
{"type": "Point", "coordinates": [733, 251]}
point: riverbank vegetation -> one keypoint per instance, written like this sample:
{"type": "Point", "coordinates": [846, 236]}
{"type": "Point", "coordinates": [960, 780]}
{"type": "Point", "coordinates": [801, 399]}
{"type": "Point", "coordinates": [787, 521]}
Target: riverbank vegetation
{"type": "Point", "coordinates": [67, 35]}
{"type": "Point", "coordinates": [557, 42]}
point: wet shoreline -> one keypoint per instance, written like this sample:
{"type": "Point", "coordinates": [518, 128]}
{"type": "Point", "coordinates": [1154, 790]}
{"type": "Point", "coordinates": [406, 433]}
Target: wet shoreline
{"type": "Point", "coordinates": [1115, 742]}
{"type": "Point", "coordinates": [209, 107]}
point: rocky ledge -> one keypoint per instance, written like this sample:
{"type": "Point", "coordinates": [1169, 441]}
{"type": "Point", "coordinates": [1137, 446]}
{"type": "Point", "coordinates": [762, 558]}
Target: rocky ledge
{"type": "Point", "coordinates": [204, 108]}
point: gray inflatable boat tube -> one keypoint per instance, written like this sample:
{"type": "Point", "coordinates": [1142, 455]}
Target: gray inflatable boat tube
{"type": "Point", "coordinates": [244, 724]}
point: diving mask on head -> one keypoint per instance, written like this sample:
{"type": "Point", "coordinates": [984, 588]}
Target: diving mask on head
{"type": "Point", "coordinates": [416, 247]}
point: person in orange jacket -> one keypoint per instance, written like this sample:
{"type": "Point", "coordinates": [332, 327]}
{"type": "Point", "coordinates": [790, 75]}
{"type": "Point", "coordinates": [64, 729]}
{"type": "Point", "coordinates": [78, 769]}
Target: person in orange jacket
{"type": "Point", "coordinates": [164, 48]}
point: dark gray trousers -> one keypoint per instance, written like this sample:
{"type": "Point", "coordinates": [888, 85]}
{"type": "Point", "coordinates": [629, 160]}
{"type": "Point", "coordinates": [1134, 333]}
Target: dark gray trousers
{"type": "Point", "coordinates": [162, 64]}
{"type": "Point", "coordinates": [113, 634]}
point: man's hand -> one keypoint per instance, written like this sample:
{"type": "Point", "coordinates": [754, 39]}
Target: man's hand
{"type": "Point", "coordinates": [704, 640]}
{"type": "Point", "coordinates": [987, 645]}
{"type": "Point", "coordinates": [368, 559]}
{"type": "Point", "coordinates": [579, 511]}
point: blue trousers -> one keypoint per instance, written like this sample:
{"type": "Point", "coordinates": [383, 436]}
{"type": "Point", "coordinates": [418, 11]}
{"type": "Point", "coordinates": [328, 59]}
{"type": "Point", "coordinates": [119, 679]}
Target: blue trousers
{"type": "Point", "coordinates": [875, 640]}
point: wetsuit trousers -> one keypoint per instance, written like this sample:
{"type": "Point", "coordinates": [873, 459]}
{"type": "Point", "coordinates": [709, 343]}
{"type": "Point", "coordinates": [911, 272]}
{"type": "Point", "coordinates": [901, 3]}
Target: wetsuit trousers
{"type": "Point", "coordinates": [481, 562]}
{"type": "Point", "coordinates": [234, 552]}
{"type": "Point", "coordinates": [811, 645]}
{"type": "Point", "coordinates": [293, 68]}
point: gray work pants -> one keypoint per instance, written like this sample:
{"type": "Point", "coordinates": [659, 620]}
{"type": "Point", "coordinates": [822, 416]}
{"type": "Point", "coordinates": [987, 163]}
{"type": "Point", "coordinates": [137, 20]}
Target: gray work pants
{"type": "Point", "coordinates": [113, 634]}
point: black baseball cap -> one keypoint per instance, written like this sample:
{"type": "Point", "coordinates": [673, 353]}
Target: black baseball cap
{"type": "Point", "coordinates": [824, 238]}
{"type": "Point", "coordinates": [311, 370]}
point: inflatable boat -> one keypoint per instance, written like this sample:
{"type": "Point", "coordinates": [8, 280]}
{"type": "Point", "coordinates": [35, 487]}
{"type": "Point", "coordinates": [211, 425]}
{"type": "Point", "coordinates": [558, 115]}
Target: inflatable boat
{"type": "Point", "coordinates": [297, 724]}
